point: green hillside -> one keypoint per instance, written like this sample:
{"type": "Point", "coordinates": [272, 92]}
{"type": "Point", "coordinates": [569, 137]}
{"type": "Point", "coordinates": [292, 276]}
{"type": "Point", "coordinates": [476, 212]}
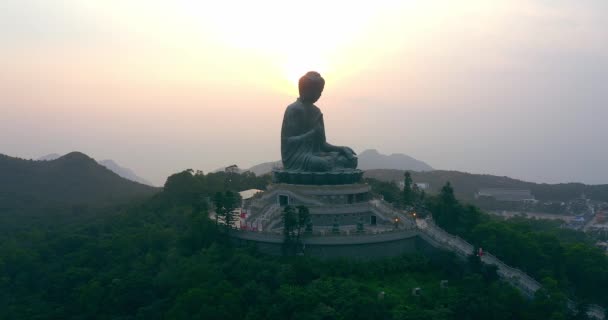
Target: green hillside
{"type": "Point", "coordinates": [74, 179]}
{"type": "Point", "coordinates": [466, 184]}
{"type": "Point", "coordinates": [163, 258]}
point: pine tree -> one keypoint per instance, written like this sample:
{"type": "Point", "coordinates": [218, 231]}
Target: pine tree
{"type": "Point", "coordinates": [290, 222]}
{"type": "Point", "coordinates": [447, 194]}
{"type": "Point", "coordinates": [408, 192]}
{"type": "Point", "coordinates": [218, 202]}
{"type": "Point", "coordinates": [303, 220]}
{"type": "Point", "coordinates": [231, 202]}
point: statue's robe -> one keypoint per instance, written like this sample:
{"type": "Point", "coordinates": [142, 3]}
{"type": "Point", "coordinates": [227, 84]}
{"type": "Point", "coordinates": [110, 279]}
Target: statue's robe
{"type": "Point", "coordinates": [303, 150]}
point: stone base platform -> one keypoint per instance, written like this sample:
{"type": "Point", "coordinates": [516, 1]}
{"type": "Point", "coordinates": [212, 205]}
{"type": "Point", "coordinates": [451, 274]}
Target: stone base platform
{"type": "Point", "coordinates": [317, 178]}
{"type": "Point", "coordinates": [332, 207]}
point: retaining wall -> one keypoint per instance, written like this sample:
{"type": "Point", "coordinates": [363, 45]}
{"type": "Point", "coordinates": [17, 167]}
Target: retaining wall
{"type": "Point", "coordinates": [355, 246]}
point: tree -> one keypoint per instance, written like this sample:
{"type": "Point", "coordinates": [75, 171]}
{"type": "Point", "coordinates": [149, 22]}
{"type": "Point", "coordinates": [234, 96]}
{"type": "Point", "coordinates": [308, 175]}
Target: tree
{"type": "Point", "coordinates": [218, 202]}
{"type": "Point", "coordinates": [388, 190]}
{"type": "Point", "coordinates": [408, 192]}
{"type": "Point", "coordinates": [549, 301]}
{"type": "Point", "coordinates": [303, 219]}
{"type": "Point", "coordinates": [446, 210]}
{"type": "Point", "coordinates": [447, 194]}
{"type": "Point", "coordinates": [225, 204]}
{"type": "Point", "coordinates": [293, 224]}
{"type": "Point", "coordinates": [360, 227]}
{"type": "Point", "coordinates": [421, 204]}
{"type": "Point", "coordinates": [231, 202]}
{"type": "Point", "coordinates": [290, 222]}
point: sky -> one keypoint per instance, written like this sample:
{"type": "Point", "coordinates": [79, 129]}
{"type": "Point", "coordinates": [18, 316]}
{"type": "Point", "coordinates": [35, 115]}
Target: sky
{"type": "Point", "coordinates": [514, 88]}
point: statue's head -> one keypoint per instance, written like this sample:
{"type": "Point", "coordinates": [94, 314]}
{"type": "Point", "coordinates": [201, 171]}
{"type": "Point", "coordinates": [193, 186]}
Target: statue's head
{"type": "Point", "coordinates": [311, 86]}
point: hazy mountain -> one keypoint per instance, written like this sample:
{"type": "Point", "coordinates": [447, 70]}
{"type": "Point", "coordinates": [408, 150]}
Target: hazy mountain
{"type": "Point", "coordinates": [466, 184]}
{"type": "Point", "coordinates": [71, 179]}
{"type": "Point", "coordinates": [368, 159]}
{"type": "Point", "coordinates": [372, 159]}
{"type": "Point", "coordinates": [110, 164]}
{"type": "Point", "coordinates": [258, 169]}
{"type": "Point", "coordinates": [123, 172]}
{"type": "Point", "coordinates": [51, 156]}
{"type": "Point", "coordinates": [266, 167]}
{"type": "Point", "coordinates": [233, 168]}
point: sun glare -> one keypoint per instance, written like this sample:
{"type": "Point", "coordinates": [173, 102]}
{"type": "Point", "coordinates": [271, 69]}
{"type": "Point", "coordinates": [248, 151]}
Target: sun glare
{"type": "Point", "coordinates": [296, 66]}
{"type": "Point", "coordinates": [237, 41]}
{"type": "Point", "coordinates": [269, 43]}
{"type": "Point", "coordinates": [292, 40]}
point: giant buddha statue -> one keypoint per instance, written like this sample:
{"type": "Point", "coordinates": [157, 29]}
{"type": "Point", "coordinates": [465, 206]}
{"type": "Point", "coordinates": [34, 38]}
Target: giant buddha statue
{"type": "Point", "coordinates": [304, 147]}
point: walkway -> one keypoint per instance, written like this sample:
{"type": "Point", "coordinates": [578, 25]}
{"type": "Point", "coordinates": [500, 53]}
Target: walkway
{"type": "Point", "coordinates": [515, 277]}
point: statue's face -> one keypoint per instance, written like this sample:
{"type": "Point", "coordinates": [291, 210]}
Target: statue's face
{"type": "Point", "coordinates": [312, 96]}
{"type": "Point", "coordinates": [311, 92]}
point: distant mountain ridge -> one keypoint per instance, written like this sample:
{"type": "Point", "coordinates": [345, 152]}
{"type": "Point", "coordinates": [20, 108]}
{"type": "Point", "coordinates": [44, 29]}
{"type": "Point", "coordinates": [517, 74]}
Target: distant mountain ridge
{"type": "Point", "coordinates": [466, 184]}
{"type": "Point", "coordinates": [266, 167]}
{"type": "Point", "coordinates": [123, 171]}
{"type": "Point", "coordinates": [110, 164]}
{"type": "Point", "coordinates": [368, 159]}
{"type": "Point", "coordinates": [72, 179]}
{"type": "Point", "coordinates": [372, 159]}
{"type": "Point", "coordinates": [49, 157]}
{"type": "Point", "coordinates": [258, 169]}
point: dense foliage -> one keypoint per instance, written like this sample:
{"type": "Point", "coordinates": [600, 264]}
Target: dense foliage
{"type": "Point", "coordinates": [192, 187]}
{"type": "Point", "coordinates": [389, 191]}
{"type": "Point", "coordinates": [165, 259]}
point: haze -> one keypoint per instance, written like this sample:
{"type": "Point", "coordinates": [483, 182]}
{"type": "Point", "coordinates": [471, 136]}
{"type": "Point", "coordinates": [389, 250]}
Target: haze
{"type": "Point", "coordinates": [516, 88]}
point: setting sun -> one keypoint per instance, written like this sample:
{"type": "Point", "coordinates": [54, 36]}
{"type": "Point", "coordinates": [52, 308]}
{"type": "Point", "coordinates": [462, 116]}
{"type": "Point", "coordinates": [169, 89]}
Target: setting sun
{"type": "Point", "coordinates": [280, 37]}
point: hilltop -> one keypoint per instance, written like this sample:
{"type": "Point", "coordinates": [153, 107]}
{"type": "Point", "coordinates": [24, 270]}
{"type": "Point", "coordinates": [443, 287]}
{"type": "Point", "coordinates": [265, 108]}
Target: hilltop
{"type": "Point", "coordinates": [72, 179]}
{"type": "Point", "coordinates": [124, 172]}
{"type": "Point", "coordinates": [372, 159]}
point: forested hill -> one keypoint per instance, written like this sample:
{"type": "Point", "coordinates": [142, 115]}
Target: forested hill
{"type": "Point", "coordinates": [466, 184]}
{"type": "Point", "coordinates": [163, 258]}
{"type": "Point", "coordinates": [73, 179]}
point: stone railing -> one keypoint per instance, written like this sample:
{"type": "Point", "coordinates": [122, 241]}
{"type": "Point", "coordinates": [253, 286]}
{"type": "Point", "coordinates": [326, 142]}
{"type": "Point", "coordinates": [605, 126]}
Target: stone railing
{"type": "Point", "coordinates": [264, 217]}
{"type": "Point", "coordinates": [341, 233]}
{"type": "Point", "coordinates": [351, 233]}
{"type": "Point", "coordinates": [325, 190]}
{"type": "Point", "coordinates": [516, 277]}
{"type": "Point", "coordinates": [593, 310]}
{"type": "Point", "coordinates": [449, 241]}
{"type": "Point", "coordinates": [258, 211]}
{"type": "Point", "coordinates": [339, 208]}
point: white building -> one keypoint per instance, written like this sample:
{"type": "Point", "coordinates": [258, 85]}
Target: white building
{"type": "Point", "coordinates": [421, 185]}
